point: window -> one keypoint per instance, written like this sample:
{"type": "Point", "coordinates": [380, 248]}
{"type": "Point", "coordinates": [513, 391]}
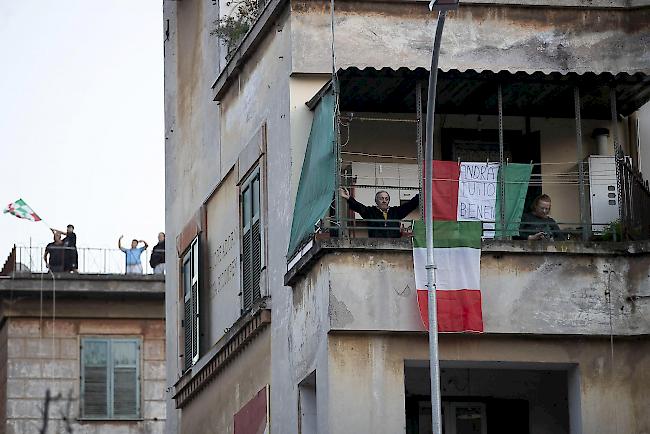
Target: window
{"type": "Point", "coordinates": [190, 275]}
{"type": "Point", "coordinates": [251, 258]}
{"type": "Point", "coordinates": [110, 378]}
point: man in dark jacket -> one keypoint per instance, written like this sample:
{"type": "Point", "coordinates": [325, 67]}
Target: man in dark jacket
{"type": "Point", "coordinates": [383, 220]}
{"type": "Point", "coordinates": [70, 246]}
{"type": "Point", "coordinates": [54, 254]}
{"type": "Point", "coordinates": [157, 260]}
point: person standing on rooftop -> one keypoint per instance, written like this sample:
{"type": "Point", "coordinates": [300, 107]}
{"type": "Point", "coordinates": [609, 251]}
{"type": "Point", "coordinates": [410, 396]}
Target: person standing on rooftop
{"type": "Point", "coordinates": [133, 263]}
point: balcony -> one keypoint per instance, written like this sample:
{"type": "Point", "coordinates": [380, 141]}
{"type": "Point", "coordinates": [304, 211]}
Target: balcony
{"type": "Point", "coordinates": [527, 287]}
{"type": "Point", "coordinates": [573, 132]}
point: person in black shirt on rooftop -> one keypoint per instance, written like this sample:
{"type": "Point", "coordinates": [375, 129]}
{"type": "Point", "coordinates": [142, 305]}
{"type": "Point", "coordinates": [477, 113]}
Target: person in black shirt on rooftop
{"type": "Point", "coordinates": [54, 254]}
{"type": "Point", "coordinates": [70, 244]}
{"type": "Point", "coordinates": [383, 220]}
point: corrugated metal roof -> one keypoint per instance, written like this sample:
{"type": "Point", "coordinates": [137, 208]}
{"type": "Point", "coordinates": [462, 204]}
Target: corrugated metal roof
{"type": "Point", "coordinates": [475, 92]}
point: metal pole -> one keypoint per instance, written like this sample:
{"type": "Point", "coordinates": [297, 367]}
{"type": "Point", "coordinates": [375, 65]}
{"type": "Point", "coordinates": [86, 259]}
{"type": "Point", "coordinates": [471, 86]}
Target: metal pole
{"type": "Point", "coordinates": [618, 157]}
{"type": "Point", "coordinates": [581, 169]}
{"type": "Point", "coordinates": [420, 125]}
{"type": "Point", "coordinates": [434, 366]}
{"type": "Point", "coordinates": [502, 187]}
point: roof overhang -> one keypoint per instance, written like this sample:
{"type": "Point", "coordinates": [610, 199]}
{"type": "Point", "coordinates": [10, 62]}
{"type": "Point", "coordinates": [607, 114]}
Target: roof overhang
{"type": "Point", "coordinates": [535, 94]}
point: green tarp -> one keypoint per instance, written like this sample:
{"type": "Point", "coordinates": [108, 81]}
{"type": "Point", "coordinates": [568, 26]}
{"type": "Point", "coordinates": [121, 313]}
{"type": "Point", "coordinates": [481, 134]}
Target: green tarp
{"type": "Point", "coordinates": [316, 188]}
{"type": "Point", "coordinates": [516, 177]}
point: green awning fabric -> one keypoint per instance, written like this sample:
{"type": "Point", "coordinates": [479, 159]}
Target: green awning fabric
{"type": "Point", "coordinates": [516, 178]}
{"type": "Point", "coordinates": [317, 179]}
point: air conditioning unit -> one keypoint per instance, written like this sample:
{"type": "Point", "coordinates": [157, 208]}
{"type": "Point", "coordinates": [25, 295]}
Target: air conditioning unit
{"type": "Point", "coordinates": [603, 191]}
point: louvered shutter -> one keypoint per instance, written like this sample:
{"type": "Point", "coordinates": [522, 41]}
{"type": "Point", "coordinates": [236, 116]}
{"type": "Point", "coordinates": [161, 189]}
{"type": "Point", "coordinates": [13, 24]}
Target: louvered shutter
{"type": "Point", "coordinates": [126, 381]}
{"type": "Point", "coordinates": [256, 260]}
{"type": "Point", "coordinates": [188, 322]}
{"type": "Point", "coordinates": [95, 378]}
{"type": "Point", "coordinates": [195, 301]}
{"type": "Point", "coordinates": [247, 293]}
{"type": "Point", "coordinates": [251, 242]}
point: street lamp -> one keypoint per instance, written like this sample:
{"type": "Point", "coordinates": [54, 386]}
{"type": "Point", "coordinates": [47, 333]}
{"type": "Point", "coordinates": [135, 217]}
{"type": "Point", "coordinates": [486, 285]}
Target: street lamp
{"type": "Point", "coordinates": [440, 6]}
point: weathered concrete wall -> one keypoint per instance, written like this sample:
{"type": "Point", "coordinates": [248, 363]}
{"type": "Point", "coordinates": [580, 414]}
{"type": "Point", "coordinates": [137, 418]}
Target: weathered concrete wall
{"type": "Point", "coordinates": [192, 156]}
{"type": "Point", "coordinates": [564, 292]}
{"type": "Point", "coordinates": [302, 89]}
{"type": "Point", "coordinates": [494, 37]}
{"type": "Point", "coordinates": [366, 377]}
{"type": "Point", "coordinates": [49, 358]}
{"type": "Point", "coordinates": [212, 411]}
{"type": "Point", "coordinates": [3, 374]}
{"type": "Point", "coordinates": [644, 140]}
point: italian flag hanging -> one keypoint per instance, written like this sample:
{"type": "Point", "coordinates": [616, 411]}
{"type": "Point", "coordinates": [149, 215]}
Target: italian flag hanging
{"type": "Point", "coordinates": [457, 255]}
{"type": "Point", "coordinates": [466, 200]}
{"type": "Point", "coordinates": [21, 210]}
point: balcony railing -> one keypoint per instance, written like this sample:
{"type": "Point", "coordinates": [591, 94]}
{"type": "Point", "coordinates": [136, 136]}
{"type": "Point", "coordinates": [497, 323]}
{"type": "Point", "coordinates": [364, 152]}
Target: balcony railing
{"type": "Point", "coordinates": [90, 260]}
{"type": "Point", "coordinates": [635, 202]}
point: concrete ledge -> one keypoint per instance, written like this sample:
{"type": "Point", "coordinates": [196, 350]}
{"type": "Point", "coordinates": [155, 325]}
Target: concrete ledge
{"type": "Point", "coordinates": [220, 355]}
{"type": "Point", "coordinates": [83, 284]}
{"type": "Point", "coordinates": [498, 247]}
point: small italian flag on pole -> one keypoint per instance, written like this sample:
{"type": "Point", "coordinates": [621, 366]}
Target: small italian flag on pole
{"type": "Point", "coordinates": [21, 210]}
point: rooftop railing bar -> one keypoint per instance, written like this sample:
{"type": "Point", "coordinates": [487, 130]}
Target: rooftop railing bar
{"type": "Point", "coordinates": [90, 260]}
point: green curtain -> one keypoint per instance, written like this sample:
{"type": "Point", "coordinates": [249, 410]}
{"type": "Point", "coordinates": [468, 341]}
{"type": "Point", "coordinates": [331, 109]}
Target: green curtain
{"type": "Point", "coordinates": [317, 179]}
{"type": "Point", "coordinates": [516, 177]}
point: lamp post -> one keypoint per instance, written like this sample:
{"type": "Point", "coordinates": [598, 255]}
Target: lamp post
{"type": "Point", "coordinates": [441, 7]}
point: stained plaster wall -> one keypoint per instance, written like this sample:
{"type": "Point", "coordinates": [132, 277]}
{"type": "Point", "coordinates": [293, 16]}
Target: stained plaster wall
{"type": "Point", "coordinates": [366, 377]}
{"type": "Point", "coordinates": [494, 37]}
{"type": "Point", "coordinates": [210, 140]}
{"type": "Point", "coordinates": [262, 95]}
{"type": "Point", "coordinates": [192, 157]}
{"type": "Point", "coordinates": [559, 293]}
{"type": "Point", "coordinates": [644, 140]}
{"type": "Point", "coordinates": [223, 265]}
{"type": "Point", "coordinates": [45, 354]}
{"type": "Point", "coordinates": [211, 412]}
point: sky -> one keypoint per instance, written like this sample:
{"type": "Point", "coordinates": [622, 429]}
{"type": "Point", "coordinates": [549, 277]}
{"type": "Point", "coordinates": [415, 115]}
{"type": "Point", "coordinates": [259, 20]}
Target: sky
{"type": "Point", "coordinates": [82, 119]}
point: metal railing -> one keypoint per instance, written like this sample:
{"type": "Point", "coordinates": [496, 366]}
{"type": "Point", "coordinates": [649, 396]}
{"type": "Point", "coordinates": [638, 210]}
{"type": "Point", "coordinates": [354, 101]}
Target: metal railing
{"type": "Point", "coordinates": [89, 260]}
{"type": "Point", "coordinates": [621, 190]}
{"type": "Point", "coordinates": [570, 231]}
{"type": "Point", "coordinates": [634, 203]}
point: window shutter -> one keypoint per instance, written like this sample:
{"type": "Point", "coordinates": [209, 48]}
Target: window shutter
{"type": "Point", "coordinates": [247, 292]}
{"type": "Point", "coordinates": [188, 322]}
{"type": "Point", "coordinates": [251, 242]}
{"type": "Point", "coordinates": [126, 382]}
{"type": "Point", "coordinates": [195, 301]}
{"type": "Point", "coordinates": [256, 260]}
{"type": "Point", "coordinates": [95, 381]}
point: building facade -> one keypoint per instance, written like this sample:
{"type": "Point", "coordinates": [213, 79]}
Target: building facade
{"type": "Point", "coordinates": [86, 353]}
{"type": "Point", "coordinates": [282, 315]}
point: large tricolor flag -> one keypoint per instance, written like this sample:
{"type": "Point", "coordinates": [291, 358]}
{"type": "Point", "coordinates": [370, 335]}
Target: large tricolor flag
{"type": "Point", "coordinates": [21, 210]}
{"type": "Point", "coordinates": [466, 199]}
{"type": "Point", "coordinates": [457, 256]}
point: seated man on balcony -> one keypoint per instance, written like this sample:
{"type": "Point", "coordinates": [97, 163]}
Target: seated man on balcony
{"type": "Point", "coordinates": [383, 220]}
{"type": "Point", "coordinates": [537, 224]}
